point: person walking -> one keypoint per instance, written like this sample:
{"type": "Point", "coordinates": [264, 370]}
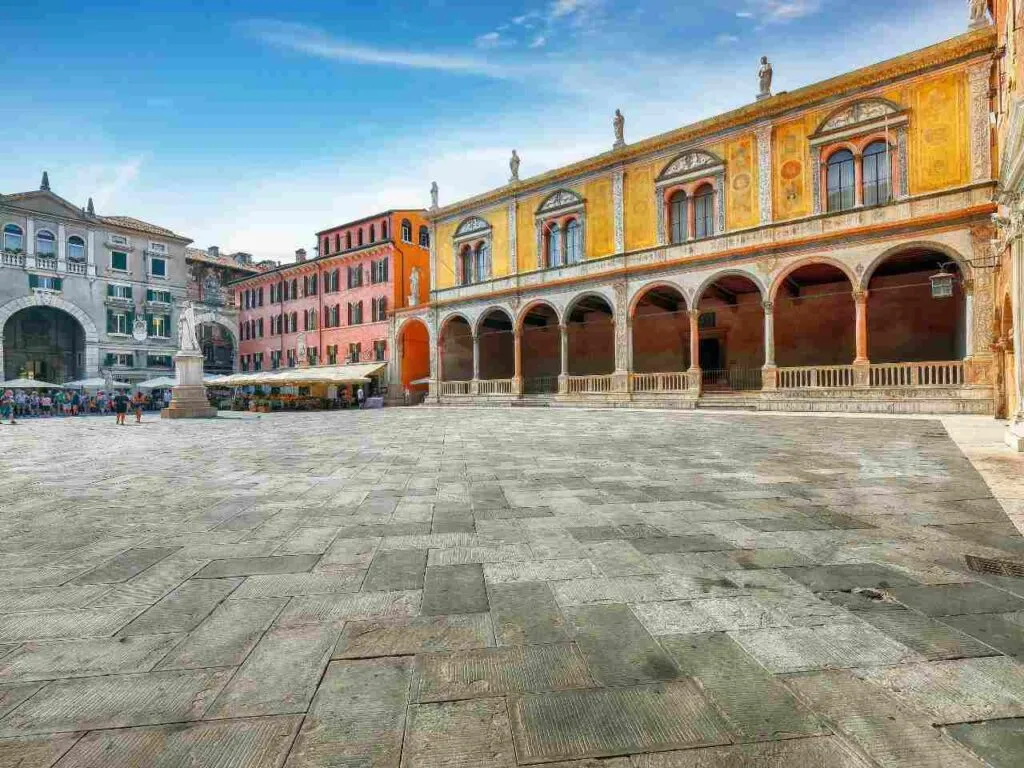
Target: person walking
{"type": "Point", "coordinates": [138, 402]}
{"type": "Point", "coordinates": [167, 398]}
{"type": "Point", "coordinates": [7, 406]}
{"type": "Point", "coordinates": [76, 403]}
{"type": "Point", "coordinates": [120, 406]}
{"type": "Point", "coordinates": [360, 397]}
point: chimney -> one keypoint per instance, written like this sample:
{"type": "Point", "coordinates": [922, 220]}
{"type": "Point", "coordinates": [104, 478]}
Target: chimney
{"type": "Point", "coordinates": [300, 254]}
{"type": "Point", "coordinates": [214, 250]}
{"type": "Point", "coordinates": [243, 258]}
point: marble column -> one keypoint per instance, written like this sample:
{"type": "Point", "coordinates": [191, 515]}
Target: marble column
{"type": "Point", "coordinates": [474, 385]}
{"type": "Point", "coordinates": [770, 372]}
{"type": "Point", "coordinates": [563, 376]}
{"type": "Point", "coordinates": [517, 377]}
{"type": "Point", "coordinates": [861, 363]}
{"type": "Point", "coordinates": [694, 372]}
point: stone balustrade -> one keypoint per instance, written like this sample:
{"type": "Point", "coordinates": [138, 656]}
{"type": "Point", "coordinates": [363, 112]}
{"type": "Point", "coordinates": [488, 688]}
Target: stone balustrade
{"type": "Point", "coordinates": [448, 388]}
{"type": "Point", "coordinates": [494, 387]}
{"type": "Point", "coordinates": [929, 374]}
{"type": "Point", "coordinates": [814, 376]}
{"type": "Point", "coordinates": [582, 385]}
{"type": "Point", "coordinates": [660, 382]}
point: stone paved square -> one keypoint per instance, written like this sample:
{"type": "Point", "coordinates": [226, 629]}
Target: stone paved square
{"type": "Point", "coordinates": [424, 587]}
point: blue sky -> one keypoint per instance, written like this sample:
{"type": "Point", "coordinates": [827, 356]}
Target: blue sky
{"type": "Point", "coordinates": [253, 124]}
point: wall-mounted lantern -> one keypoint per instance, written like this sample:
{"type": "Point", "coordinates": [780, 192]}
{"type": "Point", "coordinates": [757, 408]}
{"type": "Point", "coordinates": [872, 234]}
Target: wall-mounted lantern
{"type": "Point", "coordinates": [942, 283]}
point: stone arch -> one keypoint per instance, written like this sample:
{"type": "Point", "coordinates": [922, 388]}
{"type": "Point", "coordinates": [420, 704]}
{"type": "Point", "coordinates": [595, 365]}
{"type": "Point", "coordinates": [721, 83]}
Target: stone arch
{"type": "Point", "coordinates": [455, 349]}
{"type": "Point", "coordinates": [698, 295]}
{"type": "Point", "coordinates": [592, 294]}
{"type": "Point", "coordinates": [413, 346]}
{"type": "Point", "coordinates": [56, 302]}
{"type": "Point", "coordinates": [646, 288]}
{"type": "Point", "coordinates": [216, 318]}
{"type": "Point", "coordinates": [451, 316]}
{"type": "Point", "coordinates": [773, 288]}
{"type": "Point", "coordinates": [954, 255]}
{"type": "Point", "coordinates": [486, 311]}
{"type": "Point", "coordinates": [560, 199]}
{"type": "Point", "coordinates": [531, 305]}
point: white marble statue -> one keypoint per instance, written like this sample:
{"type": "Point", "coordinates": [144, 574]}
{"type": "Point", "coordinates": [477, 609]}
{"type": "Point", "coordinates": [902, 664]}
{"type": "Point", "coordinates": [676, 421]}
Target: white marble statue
{"type": "Point", "coordinates": [187, 339]}
{"type": "Point", "coordinates": [433, 195]}
{"type": "Point", "coordinates": [513, 165]}
{"type": "Point", "coordinates": [300, 348]}
{"type": "Point", "coordinates": [619, 124]}
{"type": "Point", "coordinates": [764, 75]}
{"type": "Point", "coordinates": [979, 13]}
{"type": "Point", "coordinates": [414, 287]}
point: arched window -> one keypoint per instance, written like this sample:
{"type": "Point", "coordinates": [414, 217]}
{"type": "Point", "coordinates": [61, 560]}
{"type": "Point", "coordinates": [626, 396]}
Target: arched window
{"type": "Point", "coordinates": [840, 181]}
{"type": "Point", "coordinates": [480, 267]}
{"type": "Point", "coordinates": [13, 238]}
{"type": "Point", "coordinates": [703, 212]}
{"type": "Point", "coordinates": [384, 230]}
{"type": "Point", "coordinates": [466, 264]}
{"type": "Point", "coordinates": [876, 174]}
{"type": "Point", "coordinates": [424, 237]}
{"type": "Point", "coordinates": [554, 246]}
{"type": "Point", "coordinates": [573, 243]}
{"type": "Point", "coordinates": [360, 239]}
{"type": "Point", "coordinates": [76, 249]}
{"type": "Point", "coordinates": [373, 233]}
{"type": "Point", "coordinates": [406, 231]}
{"type": "Point", "coordinates": [337, 243]}
{"type": "Point", "coordinates": [678, 217]}
{"type": "Point", "coordinates": [348, 240]}
{"type": "Point", "coordinates": [295, 289]}
{"type": "Point", "coordinates": [46, 243]}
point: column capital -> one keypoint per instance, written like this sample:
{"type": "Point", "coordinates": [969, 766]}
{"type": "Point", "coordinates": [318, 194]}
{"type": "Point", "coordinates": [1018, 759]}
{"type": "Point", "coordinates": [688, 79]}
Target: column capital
{"type": "Point", "coordinates": [769, 306]}
{"type": "Point", "coordinates": [693, 313]}
{"type": "Point", "coordinates": [860, 295]}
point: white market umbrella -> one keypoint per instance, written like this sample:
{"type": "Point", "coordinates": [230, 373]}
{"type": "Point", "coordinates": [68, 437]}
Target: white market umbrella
{"type": "Point", "coordinates": [160, 382]}
{"type": "Point", "coordinates": [96, 383]}
{"type": "Point", "coordinates": [29, 384]}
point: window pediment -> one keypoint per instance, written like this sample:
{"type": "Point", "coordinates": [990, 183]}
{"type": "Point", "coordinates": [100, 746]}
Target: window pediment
{"type": "Point", "coordinates": [473, 226]}
{"type": "Point", "coordinates": [690, 163]}
{"type": "Point", "coordinates": [559, 201]}
{"type": "Point", "coordinates": [863, 113]}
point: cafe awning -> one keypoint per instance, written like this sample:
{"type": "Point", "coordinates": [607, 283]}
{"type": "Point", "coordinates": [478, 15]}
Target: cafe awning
{"type": "Point", "coordinates": [355, 373]}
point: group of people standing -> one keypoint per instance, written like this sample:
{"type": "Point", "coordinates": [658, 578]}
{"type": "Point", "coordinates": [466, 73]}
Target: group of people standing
{"type": "Point", "coordinates": [16, 404]}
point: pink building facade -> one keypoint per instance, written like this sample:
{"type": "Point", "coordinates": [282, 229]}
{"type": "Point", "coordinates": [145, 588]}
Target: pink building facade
{"type": "Point", "coordinates": [339, 302]}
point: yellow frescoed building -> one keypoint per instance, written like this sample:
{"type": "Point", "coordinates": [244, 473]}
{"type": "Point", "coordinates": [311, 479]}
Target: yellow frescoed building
{"type": "Point", "coordinates": [827, 248]}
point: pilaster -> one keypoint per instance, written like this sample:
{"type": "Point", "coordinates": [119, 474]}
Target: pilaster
{"type": "Point", "coordinates": [513, 231]}
{"type": "Point", "coordinates": [617, 203]}
{"type": "Point", "coordinates": [978, 79]}
{"type": "Point", "coordinates": [694, 372]}
{"type": "Point", "coordinates": [90, 253]}
{"type": "Point", "coordinates": [764, 171]}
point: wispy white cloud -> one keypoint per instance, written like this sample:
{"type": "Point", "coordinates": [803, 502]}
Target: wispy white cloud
{"type": "Point", "coordinates": [538, 41]}
{"type": "Point", "coordinates": [489, 40]}
{"type": "Point", "coordinates": [315, 42]}
{"type": "Point", "coordinates": [726, 39]}
{"type": "Point", "coordinates": [769, 11]}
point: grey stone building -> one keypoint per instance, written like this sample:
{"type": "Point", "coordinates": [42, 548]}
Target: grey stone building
{"type": "Point", "coordinates": [81, 293]}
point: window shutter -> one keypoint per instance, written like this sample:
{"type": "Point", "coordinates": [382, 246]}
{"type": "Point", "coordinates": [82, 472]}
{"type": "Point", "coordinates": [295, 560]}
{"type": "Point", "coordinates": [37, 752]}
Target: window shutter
{"type": "Point", "coordinates": [58, 283]}
{"type": "Point", "coordinates": [150, 325]}
{"type": "Point", "coordinates": [110, 321]}
{"type": "Point", "coordinates": [129, 291]}
{"type": "Point", "coordinates": [33, 281]}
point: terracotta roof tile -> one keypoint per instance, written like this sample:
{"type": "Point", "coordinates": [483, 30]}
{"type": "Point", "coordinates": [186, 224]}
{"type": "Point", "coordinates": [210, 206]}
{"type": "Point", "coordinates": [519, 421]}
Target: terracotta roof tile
{"type": "Point", "coordinates": [129, 222]}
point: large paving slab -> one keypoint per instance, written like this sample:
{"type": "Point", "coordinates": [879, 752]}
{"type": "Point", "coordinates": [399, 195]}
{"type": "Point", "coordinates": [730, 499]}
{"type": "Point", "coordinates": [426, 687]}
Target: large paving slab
{"type": "Point", "coordinates": [460, 588]}
{"type": "Point", "coordinates": [357, 716]}
{"type": "Point", "coordinates": [256, 742]}
{"type": "Point", "coordinates": [614, 721]}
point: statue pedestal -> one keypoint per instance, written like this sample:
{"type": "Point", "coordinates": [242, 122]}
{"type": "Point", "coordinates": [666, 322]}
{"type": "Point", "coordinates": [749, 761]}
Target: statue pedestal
{"type": "Point", "coordinates": [188, 396]}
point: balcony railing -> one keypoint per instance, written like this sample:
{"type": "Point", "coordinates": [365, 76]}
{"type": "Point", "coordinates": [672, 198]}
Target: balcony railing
{"type": "Point", "coordinates": [494, 386]}
{"type": "Point", "coordinates": [46, 262]}
{"type": "Point", "coordinates": [12, 259]}
{"type": "Point", "coordinates": [454, 388]}
{"type": "Point", "coordinates": [660, 382]}
{"type": "Point", "coordinates": [816, 377]}
{"type": "Point", "coordinates": [77, 267]}
{"type": "Point", "coordinates": [930, 374]}
{"type": "Point", "coordinates": [580, 385]}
